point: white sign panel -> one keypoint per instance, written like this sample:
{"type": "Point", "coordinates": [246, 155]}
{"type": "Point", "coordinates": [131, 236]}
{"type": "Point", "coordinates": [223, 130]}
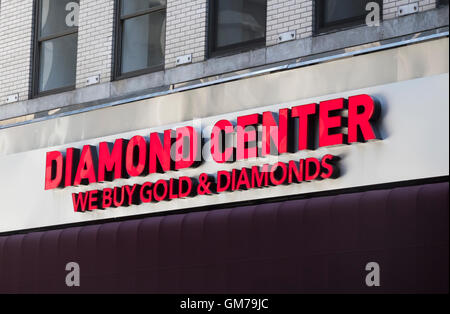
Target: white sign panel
{"type": "Point", "coordinates": [413, 144]}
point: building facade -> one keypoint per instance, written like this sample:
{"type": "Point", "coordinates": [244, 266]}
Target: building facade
{"type": "Point", "coordinates": [224, 146]}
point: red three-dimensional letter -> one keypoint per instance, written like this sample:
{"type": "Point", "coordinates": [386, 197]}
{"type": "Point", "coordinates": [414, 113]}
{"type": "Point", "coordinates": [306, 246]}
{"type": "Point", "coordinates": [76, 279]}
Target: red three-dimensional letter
{"type": "Point", "coordinates": [362, 112]}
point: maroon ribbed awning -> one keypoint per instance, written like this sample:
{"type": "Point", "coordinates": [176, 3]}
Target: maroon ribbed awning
{"type": "Point", "coordinates": [312, 245]}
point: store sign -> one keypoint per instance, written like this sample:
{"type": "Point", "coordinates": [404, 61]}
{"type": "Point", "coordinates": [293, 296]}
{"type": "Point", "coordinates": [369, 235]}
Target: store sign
{"type": "Point", "coordinates": [306, 127]}
{"type": "Point", "coordinates": [95, 157]}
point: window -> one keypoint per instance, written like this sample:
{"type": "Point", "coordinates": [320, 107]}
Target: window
{"type": "Point", "coordinates": [55, 50]}
{"type": "Point", "coordinates": [334, 15]}
{"type": "Point", "coordinates": [443, 2]}
{"type": "Point", "coordinates": [141, 37]}
{"type": "Point", "coordinates": [236, 25]}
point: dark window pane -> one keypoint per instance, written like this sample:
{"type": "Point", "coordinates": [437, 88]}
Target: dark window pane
{"type": "Point", "coordinates": [340, 10]}
{"type": "Point", "coordinates": [133, 6]}
{"type": "Point", "coordinates": [58, 16]}
{"type": "Point", "coordinates": [239, 21]}
{"type": "Point", "coordinates": [143, 42]}
{"type": "Point", "coordinates": [58, 63]}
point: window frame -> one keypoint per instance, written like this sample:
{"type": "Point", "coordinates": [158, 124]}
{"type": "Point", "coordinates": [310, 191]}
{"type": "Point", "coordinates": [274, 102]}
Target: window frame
{"type": "Point", "coordinates": [352, 22]}
{"type": "Point", "coordinates": [234, 48]}
{"type": "Point", "coordinates": [118, 30]}
{"type": "Point", "coordinates": [36, 64]}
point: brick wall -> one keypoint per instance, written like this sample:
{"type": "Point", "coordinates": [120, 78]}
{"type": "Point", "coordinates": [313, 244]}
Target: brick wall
{"type": "Point", "coordinates": [186, 30]}
{"type": "Point", "coordinates": [95, 40]}
{"type": "Point", "coordinates": [390, 7]}
{"type": "Point", "coordinates": [186, 33]}
{"type": "Point", "coordinates": [16, 18]}
{"type": "Point", "coordinates": [289, 15]}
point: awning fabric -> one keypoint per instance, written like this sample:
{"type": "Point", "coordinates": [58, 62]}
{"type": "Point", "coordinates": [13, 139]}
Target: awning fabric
{"type": "Point", "coordinates": [320, 244]}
